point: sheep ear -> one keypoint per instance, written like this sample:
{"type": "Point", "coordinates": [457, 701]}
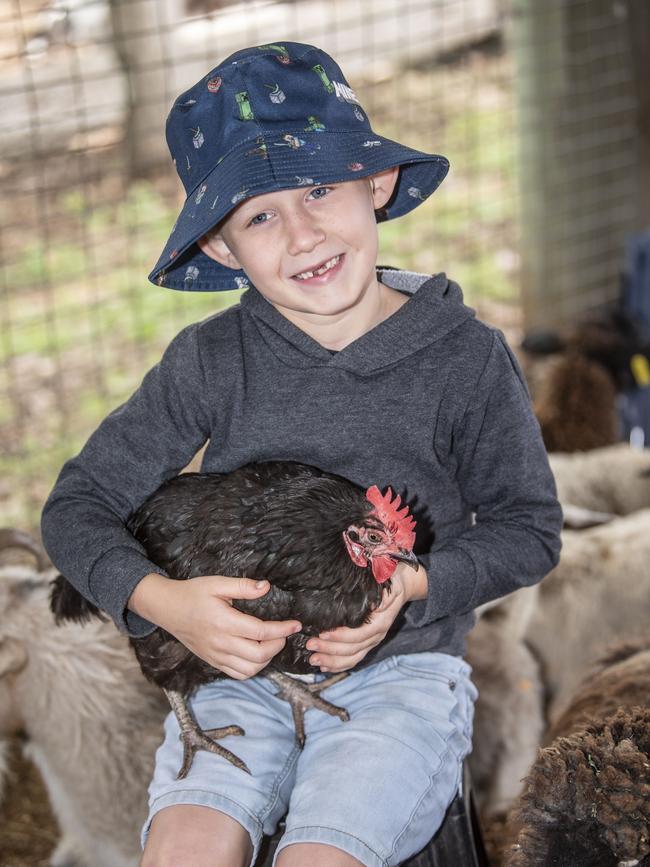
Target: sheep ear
{"type": "Point", "coordinates": [13, 656]}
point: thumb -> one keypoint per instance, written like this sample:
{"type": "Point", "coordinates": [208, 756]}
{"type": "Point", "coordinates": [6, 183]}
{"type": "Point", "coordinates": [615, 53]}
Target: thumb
{"type": "Point", "coordinates": [250, 588]}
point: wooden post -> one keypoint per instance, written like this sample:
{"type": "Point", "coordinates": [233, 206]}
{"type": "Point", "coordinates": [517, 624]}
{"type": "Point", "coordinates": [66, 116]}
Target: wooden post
{"type": "Point", "coordinates": [579, 158]}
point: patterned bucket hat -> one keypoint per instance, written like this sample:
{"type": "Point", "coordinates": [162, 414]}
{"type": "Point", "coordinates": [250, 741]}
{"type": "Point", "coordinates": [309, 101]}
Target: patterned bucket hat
{"type": "Point", "coordinates": [272, 117]}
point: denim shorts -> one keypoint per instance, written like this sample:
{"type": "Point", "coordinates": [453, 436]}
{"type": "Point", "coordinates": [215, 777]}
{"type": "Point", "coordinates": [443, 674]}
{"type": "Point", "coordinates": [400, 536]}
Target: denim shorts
{"type": "Point", "coordinates": [376, 786]}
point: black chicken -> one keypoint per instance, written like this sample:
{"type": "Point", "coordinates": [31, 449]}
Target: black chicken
{"type": "Point", "coordinates": [325, 545]}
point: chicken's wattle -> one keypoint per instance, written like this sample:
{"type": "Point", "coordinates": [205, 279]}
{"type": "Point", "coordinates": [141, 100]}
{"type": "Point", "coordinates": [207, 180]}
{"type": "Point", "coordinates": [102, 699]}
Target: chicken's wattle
{"type": "Point", "coordinates": [383, 568]}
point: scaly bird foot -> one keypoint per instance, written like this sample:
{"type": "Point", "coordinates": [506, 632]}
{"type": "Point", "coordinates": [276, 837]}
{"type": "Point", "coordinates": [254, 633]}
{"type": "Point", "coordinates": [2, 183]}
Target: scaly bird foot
{"type": "Point", "coordinates": [195, 738]}
{"type": "Point", "coordinates": [301, 696]}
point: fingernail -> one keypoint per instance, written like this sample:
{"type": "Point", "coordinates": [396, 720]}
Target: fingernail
{"type": "Point", "coordinates": [260, 583]}
{"type": "Point", "coordinates": [312, 645]}
{"type": "Point", "coordinates": [325, 635]}
{"type": "Point", "coordinates": [314, 660]}
{"type": "Point", "coordinates": [297, 628]}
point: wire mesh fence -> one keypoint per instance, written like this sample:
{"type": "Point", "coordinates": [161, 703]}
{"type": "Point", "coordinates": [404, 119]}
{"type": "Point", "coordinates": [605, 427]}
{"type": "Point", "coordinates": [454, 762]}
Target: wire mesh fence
{"type": "Point", "coordinates": [89, 194]}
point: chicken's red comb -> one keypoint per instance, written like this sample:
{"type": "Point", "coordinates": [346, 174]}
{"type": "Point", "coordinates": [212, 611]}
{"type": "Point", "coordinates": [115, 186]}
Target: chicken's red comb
{"type": "Point", "coordinates": [398, 521]}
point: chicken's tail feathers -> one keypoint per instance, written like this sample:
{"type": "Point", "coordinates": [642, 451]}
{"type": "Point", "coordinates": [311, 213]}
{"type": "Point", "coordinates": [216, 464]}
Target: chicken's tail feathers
{"type": "Point", "coordinates": [68, 604]}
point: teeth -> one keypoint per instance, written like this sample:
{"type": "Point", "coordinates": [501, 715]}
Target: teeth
{"type": "Point", "coordinates": [305, 275]}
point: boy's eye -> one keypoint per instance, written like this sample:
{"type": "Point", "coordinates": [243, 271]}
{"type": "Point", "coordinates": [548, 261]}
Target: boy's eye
{"type": "Point", "coordinates": [320, 192]}
{"type": "Point", "coordinates": [258, 219]}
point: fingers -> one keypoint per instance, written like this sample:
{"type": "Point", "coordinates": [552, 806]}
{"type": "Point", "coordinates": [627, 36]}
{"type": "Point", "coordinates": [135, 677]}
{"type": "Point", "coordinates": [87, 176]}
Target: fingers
{"type": "Point", "coordinates": [255, 629]}
{"type": "Point", "coordinates": [246, 625]}
{"type": "Point", "coordinates": [247, 658]}
{"type": "Point", "coordinates": [337, 663]}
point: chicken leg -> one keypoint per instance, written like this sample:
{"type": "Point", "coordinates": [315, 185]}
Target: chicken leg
{"type": "Point", "coordinates": [301, 696]}
{"type": "Point", "coordinates": [195, 738]}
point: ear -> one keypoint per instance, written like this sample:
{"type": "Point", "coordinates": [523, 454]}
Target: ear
{"type": "Point", "coordinates": [214, 246]}
{"type": "Point", "coordinates": [383, 184]}
{"type": "Point", "coordinates": [13, 656]}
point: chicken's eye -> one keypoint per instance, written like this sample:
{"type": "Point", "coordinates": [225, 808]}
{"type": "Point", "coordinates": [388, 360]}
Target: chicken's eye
{"type": "Point", "coordinates": [374, 537]}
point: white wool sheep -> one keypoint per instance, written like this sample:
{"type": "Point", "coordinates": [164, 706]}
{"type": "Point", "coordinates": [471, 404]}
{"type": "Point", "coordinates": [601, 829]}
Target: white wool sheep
{"type": "Point", "coordinates": [613, 479]}
{"type": "Point", "coordinates": [509, 719]}
{"type": "Point", "coordinates": [92, 721]}
{"type": "Point", "coordinates": [596, 596]}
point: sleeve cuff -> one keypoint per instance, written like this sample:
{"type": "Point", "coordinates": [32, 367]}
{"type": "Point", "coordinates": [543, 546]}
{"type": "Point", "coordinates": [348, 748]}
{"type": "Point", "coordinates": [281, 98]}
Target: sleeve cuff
{"type": "Point", "coordinates": [452, 579]}
{"type": "Point", "coordinates": [117, 572]}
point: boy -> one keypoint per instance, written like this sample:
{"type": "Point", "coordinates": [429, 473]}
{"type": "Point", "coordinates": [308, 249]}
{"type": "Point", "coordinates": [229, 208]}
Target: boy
{"type": "Point", "coordinates": [383, 377]}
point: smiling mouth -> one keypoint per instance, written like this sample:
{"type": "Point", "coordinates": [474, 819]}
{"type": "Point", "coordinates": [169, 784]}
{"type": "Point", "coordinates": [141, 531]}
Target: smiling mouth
{"type": "Point", "coordinates": [320, 270]}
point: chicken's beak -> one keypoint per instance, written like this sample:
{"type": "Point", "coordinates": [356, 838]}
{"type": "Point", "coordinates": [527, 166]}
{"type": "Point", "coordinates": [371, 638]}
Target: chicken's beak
{"type": "Point", "coordinates": [405, 556]}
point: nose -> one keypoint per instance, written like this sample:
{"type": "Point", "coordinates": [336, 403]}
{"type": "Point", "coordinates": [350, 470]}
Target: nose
{"type": "Point", "coordinates": [304, 232]}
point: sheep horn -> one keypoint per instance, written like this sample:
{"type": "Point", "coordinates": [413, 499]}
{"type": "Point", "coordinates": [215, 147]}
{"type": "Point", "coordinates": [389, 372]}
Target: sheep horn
{"type": "Point", "coordinates": [10, 538]}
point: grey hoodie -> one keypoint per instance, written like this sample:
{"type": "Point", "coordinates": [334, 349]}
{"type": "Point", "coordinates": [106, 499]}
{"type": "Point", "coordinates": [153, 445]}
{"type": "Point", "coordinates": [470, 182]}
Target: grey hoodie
{"type": "Point", "coordinates": [430, 402]}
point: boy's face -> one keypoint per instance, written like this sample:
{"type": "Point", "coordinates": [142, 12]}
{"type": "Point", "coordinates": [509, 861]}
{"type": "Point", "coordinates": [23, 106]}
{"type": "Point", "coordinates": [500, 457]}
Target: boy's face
{"type": "Point", "coordinates": [279, 238]}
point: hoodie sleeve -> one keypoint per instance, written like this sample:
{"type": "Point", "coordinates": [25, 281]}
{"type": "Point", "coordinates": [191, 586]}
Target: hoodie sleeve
{"type": "Point", "coordinates": [140, 444]}
{"type": "Point", "coordinates": [505, 478]}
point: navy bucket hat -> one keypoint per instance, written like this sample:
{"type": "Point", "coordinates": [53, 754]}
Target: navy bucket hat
{"type": "Point", "coordinates": [272, 117]}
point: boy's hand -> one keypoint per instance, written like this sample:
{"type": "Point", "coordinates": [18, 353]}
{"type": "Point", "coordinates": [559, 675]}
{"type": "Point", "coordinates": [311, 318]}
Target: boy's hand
{"type": "Point", "coordinates": [200, 614]}
{"type": "Point", "coordinates": [342, 648]}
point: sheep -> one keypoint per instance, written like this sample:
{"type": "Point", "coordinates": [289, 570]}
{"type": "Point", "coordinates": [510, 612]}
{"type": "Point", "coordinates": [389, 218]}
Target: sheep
{"type": "Point", "coordinates": [530, 650]}
{"type": "Point", "coordinates": [576, 398]}
{"type": "Point", "coordinates": [91, 719]}
{"type": "Point", "coordinates": [615, 479]}
{"type": "Point", "coordinates": [586, 800]}
{"type": "Point", "coordinates": [597, 594]}
{"type": "Point", "coordinates": [509, 718]}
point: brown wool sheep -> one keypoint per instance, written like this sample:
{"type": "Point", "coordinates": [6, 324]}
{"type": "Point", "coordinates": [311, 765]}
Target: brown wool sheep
{"type": "Point", "coordinates": [586, 800]}
{"type": "Point", "coordinates": [576, 406]}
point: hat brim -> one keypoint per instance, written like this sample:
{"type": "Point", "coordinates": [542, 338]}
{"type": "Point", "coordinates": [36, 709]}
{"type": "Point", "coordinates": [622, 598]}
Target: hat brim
{"type": "Point", "coordinates": [281, 161]}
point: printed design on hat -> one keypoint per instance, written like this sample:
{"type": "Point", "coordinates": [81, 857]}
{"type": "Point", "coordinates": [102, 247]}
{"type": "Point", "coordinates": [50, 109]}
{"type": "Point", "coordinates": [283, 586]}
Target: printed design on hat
{"type": "Point", "coordinates": [191, 273]}
{"type": "Point", "coordinates": [416, 193]}
{"type": "Point", "coordinates": [344, 93]}
{"type": "Point", "coordinates": [197, 137]}
{"type": "Point", "coordinates": [282, 56]}
{"type": "Point", "coordinates": [245, 110]}
{"type": "Point", "coordinates": [290, 141]}
{"type": "Point", "coordinates": [315, 125]}
{"type": "Point", "coordinates": [200, 193]}
{"type": "Point", "coordinates": [261, 149]}
{"type": "Point", "coordinates": [241, 283]}
{"type": "Point", "coordinates": [305, 182]}
{"type": "Point", "coordinates": [214, 84]}
{"type": "Point", "coordinates": [356, 167]}
{"type": "Point", "coordinates": [277, 95]}
{"type": "Point", "coordinates": [212, 206]}
{"type": "Point", "coordinates": [320, 72]}
{"type": "Point", "coordinates": [185, 106]}
{"type": "Point", "coordinates": [239, 196]}
{"type": "Point", "coordinates": [371, 143]}
{"type": "Point", "coordinates": [359, 115]}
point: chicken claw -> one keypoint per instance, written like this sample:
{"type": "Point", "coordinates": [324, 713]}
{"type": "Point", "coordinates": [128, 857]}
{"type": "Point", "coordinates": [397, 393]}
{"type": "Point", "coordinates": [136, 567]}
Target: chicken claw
{"type": "Point", "coordinates": [195, 738]}
{"type": "Point", "coordinates": [301, 696]}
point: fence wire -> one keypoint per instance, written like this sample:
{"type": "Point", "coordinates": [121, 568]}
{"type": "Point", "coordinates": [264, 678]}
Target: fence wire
{"type": "Point", "coordinates": [535, 110]}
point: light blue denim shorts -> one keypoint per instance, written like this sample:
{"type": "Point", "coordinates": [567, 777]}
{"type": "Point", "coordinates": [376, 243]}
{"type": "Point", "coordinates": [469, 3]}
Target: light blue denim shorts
{"type": "Point", "coordinates": [376, 786]}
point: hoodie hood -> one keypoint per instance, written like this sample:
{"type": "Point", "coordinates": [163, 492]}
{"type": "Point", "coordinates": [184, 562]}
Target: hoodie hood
{"type": "Point", "coordinates": [434, 309]}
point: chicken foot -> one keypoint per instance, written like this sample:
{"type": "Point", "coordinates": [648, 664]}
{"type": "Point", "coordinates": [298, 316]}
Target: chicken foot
{"type": "Point", "coordinates": [195, 738]}
{"type": "Point", "coordinates": [301, 696]}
